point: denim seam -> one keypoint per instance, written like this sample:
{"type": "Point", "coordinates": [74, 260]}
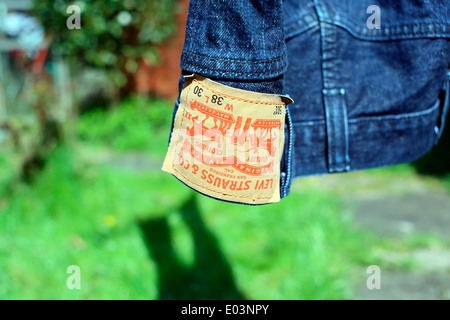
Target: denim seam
{"type": "Point", "coordinates": [333, 96]}
{"type": "Point", "coordinates": [406, 116]}
{"type": "Point", "coordinates": [389, 118]}
{"type": "Point", "coordinates": [432, 29]}
{"type": "Point", "coordinates": [337, 130]}
{"type": "Point", "coordinates": [291, 34]}
{"type": "Point", "coordinates": [446, 87]}
{"type": "Point", "coordinates": [215, 73]}
{"type": "Point", "coordinates": [220, 59]}
{"type": "Point", "coordinates": [290, 158]}
{"type": "Point", "coordinates": [354, 129]}
{"type": "Point", "coordinates": [309, 123]}
{"type": "Point", "coordinates": [388, 34]}
{"type": "Point", "coordinates": [240, 75]}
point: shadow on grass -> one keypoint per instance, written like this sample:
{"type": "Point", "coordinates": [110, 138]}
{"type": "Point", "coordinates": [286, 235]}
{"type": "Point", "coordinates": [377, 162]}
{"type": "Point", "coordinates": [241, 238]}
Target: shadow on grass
{"type": "Point", "coordinates": [209, 278]}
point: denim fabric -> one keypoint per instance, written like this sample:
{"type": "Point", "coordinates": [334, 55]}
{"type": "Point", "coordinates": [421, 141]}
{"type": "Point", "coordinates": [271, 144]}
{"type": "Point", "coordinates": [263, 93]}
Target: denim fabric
{"type": "Point", "coordinates": [363, 97]}
{"type": "Point", "coordinates": [237, 40]}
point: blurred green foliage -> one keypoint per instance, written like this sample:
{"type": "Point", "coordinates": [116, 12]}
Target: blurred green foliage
{"type": "Point", "coordinates": [138, 233]}
{"type": "Point", "coordinates": [114, 34]}
{"type": "Point", "coordinates": [103, 218]}
{"type": "Point", "coordinates": [137, 124]}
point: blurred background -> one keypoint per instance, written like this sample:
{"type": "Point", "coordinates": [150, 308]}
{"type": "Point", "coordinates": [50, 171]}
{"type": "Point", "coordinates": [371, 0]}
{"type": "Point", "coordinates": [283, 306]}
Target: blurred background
{"type": "Point", "coordinates": [85, 116]}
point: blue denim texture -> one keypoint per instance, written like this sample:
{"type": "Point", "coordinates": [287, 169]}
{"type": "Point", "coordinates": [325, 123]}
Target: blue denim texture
{"type": "Point", "coordinates": [364, 98]}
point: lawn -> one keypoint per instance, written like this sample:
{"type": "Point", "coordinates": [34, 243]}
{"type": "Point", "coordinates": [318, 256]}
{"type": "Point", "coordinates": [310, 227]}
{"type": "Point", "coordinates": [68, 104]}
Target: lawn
{"type": "Point", "coordinates": [137, 233]}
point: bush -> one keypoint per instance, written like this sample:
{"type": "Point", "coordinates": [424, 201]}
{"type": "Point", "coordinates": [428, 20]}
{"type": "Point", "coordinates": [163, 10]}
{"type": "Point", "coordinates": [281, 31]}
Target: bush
{"type": "Point", "coordinates": [114, 35]}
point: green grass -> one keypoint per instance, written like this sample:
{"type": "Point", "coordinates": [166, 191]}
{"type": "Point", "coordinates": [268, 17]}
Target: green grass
{"type": "Point", "coordinates": [141, 234]}
{"type": "Point", "coordinates": [144, 235]}
{"type": "Point", "coordinates": [136, 124]}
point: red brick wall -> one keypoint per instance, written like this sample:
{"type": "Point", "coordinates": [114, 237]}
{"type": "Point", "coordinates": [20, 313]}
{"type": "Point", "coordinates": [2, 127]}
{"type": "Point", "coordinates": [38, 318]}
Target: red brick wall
{"type": "Point", "coordinates": [162, 80]}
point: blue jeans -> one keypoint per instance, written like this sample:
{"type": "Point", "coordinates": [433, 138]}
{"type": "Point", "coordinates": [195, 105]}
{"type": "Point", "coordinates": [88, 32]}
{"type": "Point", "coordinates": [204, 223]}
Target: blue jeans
{"type": "Point", "coordinates": [370, 85]}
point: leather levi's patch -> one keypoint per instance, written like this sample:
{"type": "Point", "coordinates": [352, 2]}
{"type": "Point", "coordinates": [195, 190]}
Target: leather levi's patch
{"type": "Point", "coordinates": [227, 143]}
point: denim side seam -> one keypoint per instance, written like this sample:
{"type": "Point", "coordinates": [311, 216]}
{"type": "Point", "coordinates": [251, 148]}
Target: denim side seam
{"type": "Point", "coordinates": [287, 165]}
{"type": "Point", "coordinates": [439, 129]}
